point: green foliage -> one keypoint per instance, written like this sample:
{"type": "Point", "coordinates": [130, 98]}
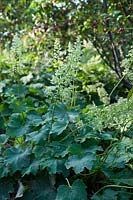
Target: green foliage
{"type": "Point", "coordinates": [63, 82]}
{"type": "Point", "coordinates": [6, 188]}
{"type": "Point", "coordinates": [76, 191]}
{"type": "Point", "coordinates": [99, 118]}
{"type": "Point", "coordinates": [51, 134]}
{"type": "Point", "coordinates": [16, 126]}
{"type": "Point", "coordinates": [107, 24]}
{"type": "Point", "coordinates": [65, 140]}
{"type": "Point", "coordinates": [107, 194]}
{"type": "Point", "coordinates": [127, 65]}
{"type": "Point", "coordinates": [118, 160]}
{"type": "Point", "coordinates": [16, 158]}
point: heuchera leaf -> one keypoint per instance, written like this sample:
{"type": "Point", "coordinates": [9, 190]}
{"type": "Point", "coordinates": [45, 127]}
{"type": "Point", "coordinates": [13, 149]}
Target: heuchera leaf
{"type": "Point", "coordinates": [75, 192]}
{"type": "Point", "coordinates": [123, 177]}
{"type": "Point", "coordinates": [16, 158]}
{"type": "Point", "coordinates": [74, 148]}
{"type": "Point", "coordinates": [59, 126]}
{"type": "Point", "coordinates": [27, 195]}
{"type": "Point", "coordinates": [57, 149]}
{"type": "Point", "coordinates": [6, 187]}
{"type": "Point", "coordinates": [54, 165]}
{"type": "Point", "coordinates": [17, 90]}
{"type": "Point", "coordinates": [18, 106]}
{"type": "Point", "coordinates": [108, 194]}
{"type": "Point", "coordinates": [121, 153]}
{"type": "Point", "coordinates": [17, 125]}
{"type": "Point", "coordinates": [32, 168]}
{"type": "Point", "coordinates": [38, 136]}
{"type": "Point", "coordinates": [42, 189]}
{"type": "Point", "coordinates": [3, 169]}
{"type": "Point", "coordinates": [3, 139]}
{"type": "Point", "coordinates": [34, 118]}
{"type": "Point", "coordinates": [59, 111]}
{"type": "Point", "coordinates": [122, 195]}
{"type": "Point", "coordinates": [73, 115]}
{"type": "Point", "coordinates": [80, 161]}
{"type": "Point", "coordinates": [50, 163]}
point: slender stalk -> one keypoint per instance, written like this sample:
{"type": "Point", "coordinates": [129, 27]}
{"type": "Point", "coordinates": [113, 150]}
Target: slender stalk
{"type": "Point", "coordinates": [117, 186]}
{"type": "Point", "coordinates": [68, 182]}
{"type": "Point", "coordinates": [116, 85]}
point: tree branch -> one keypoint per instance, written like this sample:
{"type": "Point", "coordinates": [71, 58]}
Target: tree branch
{"type": "Point", "coordinates": [118, 68]}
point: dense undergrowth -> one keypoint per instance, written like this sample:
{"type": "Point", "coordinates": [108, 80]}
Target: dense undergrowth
{"type": "Point", "coordinates": [62, 136]}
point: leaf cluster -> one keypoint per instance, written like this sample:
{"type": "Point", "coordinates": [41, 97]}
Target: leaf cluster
{"type": "Point", "coordinates": [55, 150]}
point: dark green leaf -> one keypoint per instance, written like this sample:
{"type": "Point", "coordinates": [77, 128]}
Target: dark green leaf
{"type": "Point", "coordinates": [17, 90]}
{"type": "Point", "coordinates": [33, 168]}
{"type": "Point", "coordinates": [3, 169]}
{"type": "Point", "coordinates": [42, 188]}
{"type": "Point", "coordinates": [59, 126]}
{"type": "Point", "coordinates": [38, 136]}
{"type": "Point", "coordinates": [16, 158]}
{"type": "Point", "coordinates": [74, 148]}
{"type": "Point", "coordinates": [121, 153]}
{"type": "Point", "coordinates": [81, 161]}
{"type": "Point", "coordinates": [17, 125]}
{"type": "Point", "coordinates": [18, 106]}
{"type": "Point", "coordinates": [75, 192]}
{"type": "Point", "coordinates": [3, 139]}
{"type": "Point", "coordinates": [50, 163]}
{"type": "Point", "coordinates": [34, 118]}
{"type": "Point", "coordinates": [6, 187]}
{"type": "Point", "coordinates": [107, 194]}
